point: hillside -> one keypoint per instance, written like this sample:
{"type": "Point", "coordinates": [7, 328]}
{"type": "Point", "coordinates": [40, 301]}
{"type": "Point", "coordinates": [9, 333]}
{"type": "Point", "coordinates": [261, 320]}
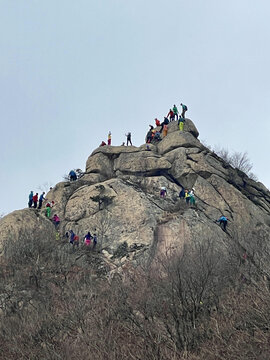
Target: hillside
{"type": "Point", "coordinates": [165, 281]}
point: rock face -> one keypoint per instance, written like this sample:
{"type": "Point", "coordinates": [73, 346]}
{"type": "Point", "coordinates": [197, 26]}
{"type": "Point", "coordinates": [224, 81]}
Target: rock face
{"type": "Point", "coordinates": [118, 198]}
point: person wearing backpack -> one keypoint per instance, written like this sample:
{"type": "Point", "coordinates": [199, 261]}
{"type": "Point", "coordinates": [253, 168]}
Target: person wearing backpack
{"type": "Point", "coordinates": [184, 109]}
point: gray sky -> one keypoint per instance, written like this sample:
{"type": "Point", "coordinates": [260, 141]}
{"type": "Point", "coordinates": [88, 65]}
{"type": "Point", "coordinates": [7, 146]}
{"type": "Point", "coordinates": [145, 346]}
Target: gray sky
{"type": "Point", "coordinates": [73, 70]}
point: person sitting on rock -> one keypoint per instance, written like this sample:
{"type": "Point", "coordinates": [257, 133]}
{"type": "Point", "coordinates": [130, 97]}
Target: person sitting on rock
{"type": "Point", "coordinates": [175, 112]}
{"type": "Point", "coordinates": [72, 175]}
{"type": "Point", "coordinates": [184, 109]}
{"type": "Point", "coordinates": [103, 143]}
{"type": "Point", "coordinates": [223, 222]}
{"type": "Point", "coordinates": [170, 115]}
{"type": "Point", "coordinates": [163, 192]}
{"type": "Point", "coordinates": [157, 136]}
{"type": "Point", "coordinates": [128, 135]}
{"type": "Point", "coordinates": [76, 241]}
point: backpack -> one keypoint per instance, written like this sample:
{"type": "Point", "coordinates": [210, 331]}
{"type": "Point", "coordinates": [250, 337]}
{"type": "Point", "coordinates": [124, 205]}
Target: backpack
{"type": "Point", "coordinates": [185, 107]}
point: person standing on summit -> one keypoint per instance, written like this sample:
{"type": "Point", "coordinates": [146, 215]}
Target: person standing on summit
{"type": "Point", "coordinates": [170, 115]}
{"type": "Point", "coordinates": [184, 109]}
{"type": "Point", "coordinates": [40, 201]}
{"type": "Point", "coordinates": [35, 200]}
{"type": "Point", "coordinates": [128, 135]}
{"type": "Point", "coordinates": [109, 138]}
{"type": "Point", "coordinates": [175, 112]}
{"type": "Point", "coordinates": [30, 202]}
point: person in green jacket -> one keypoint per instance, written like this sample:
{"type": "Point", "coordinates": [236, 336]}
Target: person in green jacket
{"type": "Point", "coordinates": [175, 111]}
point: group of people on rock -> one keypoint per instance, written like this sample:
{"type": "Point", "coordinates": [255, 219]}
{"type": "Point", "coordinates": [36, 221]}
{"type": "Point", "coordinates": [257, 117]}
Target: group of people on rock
{"type": "Point", "coordinates": [162, 127]}
{"type": "Point", "coordinates": [172, 115]}
{"type": "Point", "coordinates": [35, 201]}
{"type": "Point", "coordinates": [74, 239]}
{"type": "Point", "coordinates": [187, 195]}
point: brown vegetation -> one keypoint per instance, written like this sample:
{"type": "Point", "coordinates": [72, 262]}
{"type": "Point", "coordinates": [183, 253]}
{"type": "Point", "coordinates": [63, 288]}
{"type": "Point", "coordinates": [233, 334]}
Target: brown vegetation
{"type": "Point", "coordinates": [195, 305]}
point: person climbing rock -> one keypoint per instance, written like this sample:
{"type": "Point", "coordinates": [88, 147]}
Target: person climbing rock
{"type": "Point", "coordinates": [94, 241]}
{"type": "Point", "coordinates": [109, 138]}
{"type": "Point", "coordinates": [72, 175]}
{"type": "Point", "coordinates": [165, 130]}
{"type": "Point", "coordinates": [76, 241]}
{"type": "Point", "coordinates": [157, 136]}
{"type": "Point", "coordinates": [48, 209]}
{"type": "Point", "coordinates": [128, 135]}
{"type": "Point", "coordinates": [170, 115]}
{"type": "Point", "coordinates": [163, 192]}
{"type": "Point", "coordinates": [182, 193]}
{"type": "Point", "coordinates": [40, 201]}
{"type": "Point", "coordinates": [175, 112]}
{"type": "Point", "coordinates": [56, 222]}
{"type": "Point", "coordinates": [35, 200]}
{"type": "Point", "coordinates": [149, 136]}
{"type": "Point", "coordinates": [71, 237]}
{"type": "Point", "coordinates": [87, 239]}
{"type": "Point", "coordinates": [103, 143]}
{"type": "Point", "coordinates": [181, 124]}
{"type": "Point", "coordinates": [57, 235]}
{"type": "Point", "coordinates": [184, 109]}
{"type": "Point", "coordinates": [192, 197]}
{"type": "Point", "coordinates": [187, 196]}
{"type": "Point", "coordinates": [157, 122]}
{"type": "Point", "coordinates": [30, 202]}
{"type": "Point", "coordinates": [223, 221]}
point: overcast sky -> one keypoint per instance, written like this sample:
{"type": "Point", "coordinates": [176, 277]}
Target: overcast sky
{"type": "Point", "coordinates": [73, 70]}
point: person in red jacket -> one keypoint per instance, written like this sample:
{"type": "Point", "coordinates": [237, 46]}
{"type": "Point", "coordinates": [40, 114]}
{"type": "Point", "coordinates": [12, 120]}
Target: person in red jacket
{"type": "Point", "coordinates": [35, 200]}
{"type": "Point", "coordinates": [157, 122]}
{"type": "Point", "coordinates": [170, 115]}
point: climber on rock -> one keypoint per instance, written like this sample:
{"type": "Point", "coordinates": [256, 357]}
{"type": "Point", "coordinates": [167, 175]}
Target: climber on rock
{"type": "Point", "coordinates": [48, 209]}
{"type": "Point", "coordinates": [165, 130]}
{"type": "Point", "coordinates": [103, 143]}
{"type": "Point", "coordinates": [192, 197]}
{"type": "Point", "coordinates": [56, 220]}
{"type": "Point", "coordinates": [175, 112]}
{"type": "Point", "coordinates": [149, 134]}
{"type": "Point", "coordinates": [163, 192]}
{"type": "Point", "coordinates": [170, 115]}
{"type": "Point", "coordinates": [181, 123]}
{"type": "Point", "coordinates": [109, 138]}
{"type": "Point", "coordinates": [35, 200]}
{"type": "Point", "coordinates": [40, 201]}
{"type": "Point", "coordinates": [30, 202]}
{"type": "Point", "coordinates": [223, 221]}
{"type": "Point", "coordinates": [187, 196]}
{"type": "Point", "coordinates": [184, 109]}
{"type": "Point", "coordinates": [157, 136]}
{"type": "Point", "coordinates": [87, 239]}
{"type": "Point", "coordinates": [94, 241]}
{"type": "Point", "coordinates": [76, 241]}
{"type": "Point", "coordinates": [128, 135]}
{"type": "Point", "coordinates": [71, 237]}
{"type": "Point", "coordinates": [157, 122]}
{"type": "Point", "coordinates": [72, 175]}
{"type": "Point", "coordinates": [182, 193]}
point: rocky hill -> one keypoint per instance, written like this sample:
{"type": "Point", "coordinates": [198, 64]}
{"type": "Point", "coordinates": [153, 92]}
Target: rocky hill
{"type": "Point", "coordinates": [118, 197]}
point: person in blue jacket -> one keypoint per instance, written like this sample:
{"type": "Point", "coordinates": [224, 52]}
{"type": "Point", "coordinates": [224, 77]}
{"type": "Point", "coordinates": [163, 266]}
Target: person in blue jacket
{"type": "Point", "coordinates": [72, 175]}
{"type": "Point", "coordinates": [223, 221]}
{"type": "Point", "coordinates": [30, 202]}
